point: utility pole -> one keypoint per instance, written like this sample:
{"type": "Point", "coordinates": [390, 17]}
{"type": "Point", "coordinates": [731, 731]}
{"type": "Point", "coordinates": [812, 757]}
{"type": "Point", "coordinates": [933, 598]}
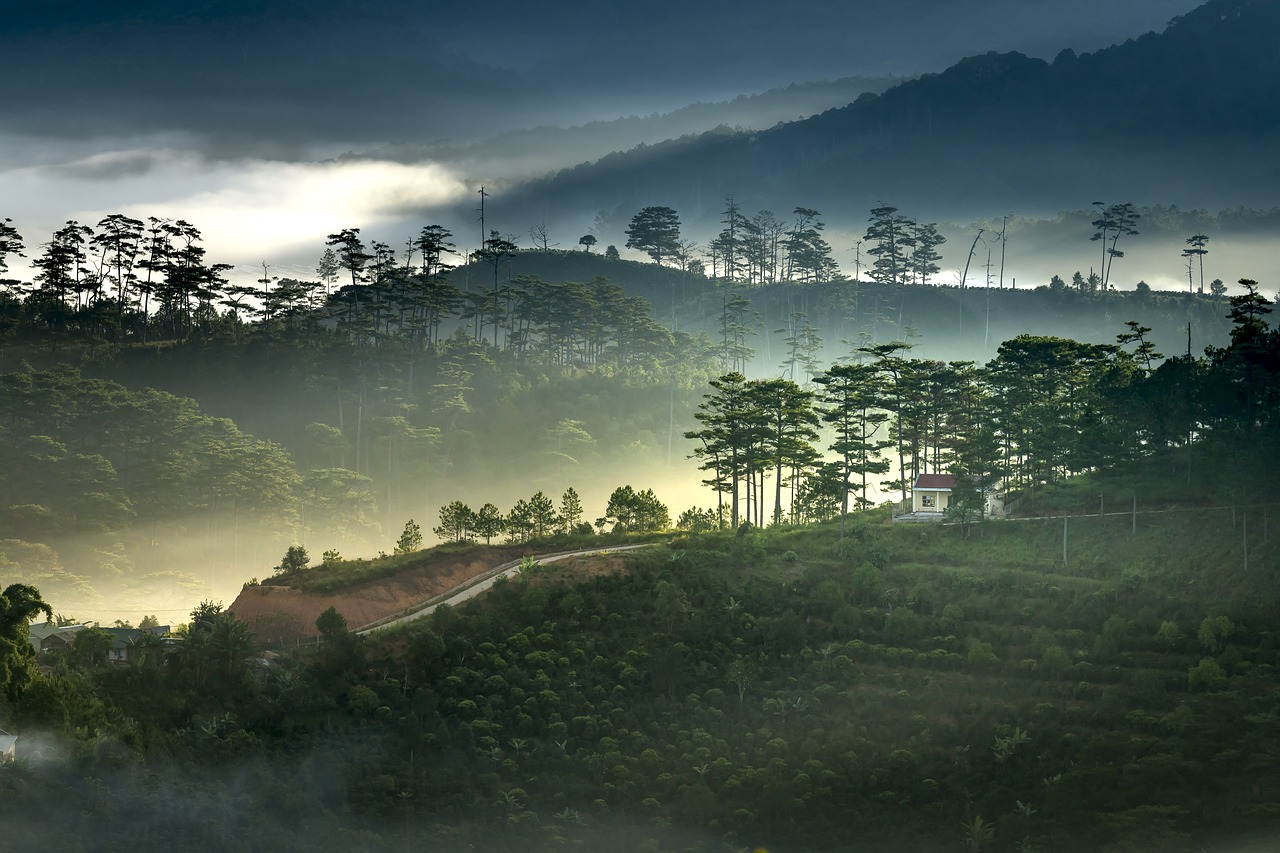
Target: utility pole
{"type": "Point", "coordinates": [1064, 539]}
{"type": "Point", "coordinates": [1004, 223]}
{"type": "Point", "coordinates": [1244, 526]}
{"type": "Point", "coordinates": [1190, 426]}
{"type": "Point", "coordinates": [265, 281]}
{"type": "Point", "coordinates": [986, 335]}
{"type": "Point", "coordinates": [483, 233]}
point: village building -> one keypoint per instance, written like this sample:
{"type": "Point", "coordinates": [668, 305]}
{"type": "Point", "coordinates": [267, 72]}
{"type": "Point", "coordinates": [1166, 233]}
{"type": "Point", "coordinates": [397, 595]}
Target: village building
{"type": "Point", "coordinates": [931, 493]}
{"type": "Point", "coordinates": [61, 638]}
{"type": "Point", "coordinates": [40, 632]}
{"type": "Point", "coordinates": [931, 496]}
{"type": "Point", "coordinates": [47, 638]}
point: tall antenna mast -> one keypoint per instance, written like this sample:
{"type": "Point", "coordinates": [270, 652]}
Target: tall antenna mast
{"type": "Point", "coordinates": [483, 234]}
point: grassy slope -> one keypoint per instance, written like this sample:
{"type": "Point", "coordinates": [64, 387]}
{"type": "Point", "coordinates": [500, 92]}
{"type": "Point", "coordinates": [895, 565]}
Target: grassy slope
{"type": "Point", "coordinates": [878, 697]}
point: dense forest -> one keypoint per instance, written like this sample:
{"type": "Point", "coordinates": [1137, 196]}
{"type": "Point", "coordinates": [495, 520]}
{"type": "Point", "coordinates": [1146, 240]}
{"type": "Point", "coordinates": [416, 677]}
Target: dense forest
{"type": "Point", "coordinates": [625, 530]}
{"type": "Point", "coordinates": [787, 670]}
{"type": "Point", "coordinates": [170, 432]}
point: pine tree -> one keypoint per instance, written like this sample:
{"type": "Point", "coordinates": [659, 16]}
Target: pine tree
{"type": "Point", "coordinates": [892, 236]}
{"type": "Point", "coordinates": [488, 522]}
{"type": "Point", "coordinates": [656, 232]}
{"type": "Point", "coordinates": [851, 398]}
{"type": "Point", "coordinates": [542, 516]}
{"type": "Point", "coordinates": [10, 243]}
{"type": "Point", "coordinates": [456, 522]}
{"type": "Point", "coordinates": [725, 415]}
{"type": "Point", "coordinates": [570, 510]}
{"type": "Point", "coordinates": [410, 539]}
{"type": "Point", "coordinates": [1113, 222]}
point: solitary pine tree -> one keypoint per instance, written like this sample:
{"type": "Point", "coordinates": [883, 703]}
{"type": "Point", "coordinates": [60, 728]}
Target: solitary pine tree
{"type": "Point", "coordinates": [656, 232]}
{"type": "Point", "coordinates": [410, 538]}
{"type": "Point", "coordinates": [295, 560]}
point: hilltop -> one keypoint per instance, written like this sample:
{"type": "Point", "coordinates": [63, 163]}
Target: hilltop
{"type": "Point", "coordinates": [1184, 115]}
{"type": "Point", "coordinates": [941, 322]}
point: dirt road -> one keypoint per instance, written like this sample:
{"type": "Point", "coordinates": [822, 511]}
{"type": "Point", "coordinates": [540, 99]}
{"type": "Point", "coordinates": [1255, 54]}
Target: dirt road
{"type": "Point", "coordinates": [480, 583]}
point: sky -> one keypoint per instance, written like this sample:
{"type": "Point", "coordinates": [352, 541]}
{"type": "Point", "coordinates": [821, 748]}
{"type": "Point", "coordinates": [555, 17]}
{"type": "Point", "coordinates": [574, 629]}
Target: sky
{"type": "Point", "coordinates": [235, 114]}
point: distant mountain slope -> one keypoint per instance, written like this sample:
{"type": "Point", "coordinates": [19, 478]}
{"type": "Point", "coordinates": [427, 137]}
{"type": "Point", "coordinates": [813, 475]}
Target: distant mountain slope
{"type": "Point", "coordinates": [1187, 116]}
{"type": "Point", "coordinates": [530, 152]}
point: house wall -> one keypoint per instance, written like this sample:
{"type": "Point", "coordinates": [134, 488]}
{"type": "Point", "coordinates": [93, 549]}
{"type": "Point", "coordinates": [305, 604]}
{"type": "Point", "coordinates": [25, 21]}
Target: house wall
{"type": "Point", "coordinates": [922, 497]}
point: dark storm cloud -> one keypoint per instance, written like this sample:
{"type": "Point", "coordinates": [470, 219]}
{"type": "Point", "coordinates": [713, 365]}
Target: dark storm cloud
{"type": "Point", "coordinates": [234, 113]}
{"type": "Point", "coordinates": [245, 75]}
{"type": "Point", "coordinates": [277, 75]}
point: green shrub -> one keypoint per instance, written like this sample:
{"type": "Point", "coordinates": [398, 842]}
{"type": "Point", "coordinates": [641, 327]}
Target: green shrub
{"type": "Point", "coordinates": [1206, 675]}
{"type": "Point", "coordinates": [1213, 630]}
{"type": "Point", "coordinates": [1170, 634]}
{"type": "Point", "coordinates": [902, 626]}
{"type": "Point", "coordinates": [868, 584]}
{"type": "Point", "coordinates": [980, 653]}
{"type": "Point", "coordinates": [1055, 660]}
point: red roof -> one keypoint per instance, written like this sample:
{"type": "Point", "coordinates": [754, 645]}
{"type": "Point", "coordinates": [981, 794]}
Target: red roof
{"type": "Point", "coordinates": [935, 481]}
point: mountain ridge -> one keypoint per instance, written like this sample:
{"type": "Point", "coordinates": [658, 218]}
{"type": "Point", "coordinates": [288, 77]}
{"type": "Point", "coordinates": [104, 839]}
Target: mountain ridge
{"type": "Point", "coordinates": [1003, 126]}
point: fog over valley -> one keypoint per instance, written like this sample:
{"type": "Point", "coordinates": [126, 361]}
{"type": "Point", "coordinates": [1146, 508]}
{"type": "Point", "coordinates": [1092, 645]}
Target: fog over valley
{"type": "Point", "coordinates": [687, 426]}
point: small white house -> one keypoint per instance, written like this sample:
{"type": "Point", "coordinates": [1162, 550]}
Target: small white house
{"type": "Point", "coordinates": [931, 495]}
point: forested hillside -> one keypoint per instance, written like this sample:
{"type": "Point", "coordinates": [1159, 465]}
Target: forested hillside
{"type": "Point", "coordinates": [329, 412]}
{"type": "Point", "coordinates": [994, 130]}
{"type": "Point", "coordinates": [792, 671]}
{"type": "Point", "coordinates": [895, 479]}
{"type": "Point", "coordinates": [884, 687]}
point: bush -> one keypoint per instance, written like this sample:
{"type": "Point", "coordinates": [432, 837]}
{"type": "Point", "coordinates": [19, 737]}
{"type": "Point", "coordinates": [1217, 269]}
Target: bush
{"type": "Point", "coordinates": [902, 626]}
{"type": "Point", "coordinates": [1206, 675]}
{"type": "Point", "coordinates": [1055, 660]}
{"type": "Point", "coordinates": [847, 549]}
{"type": "Point", "coordinates": [868, 584]}
{"type": "Point", "coordinates": [295, 560]}
{"type": "Point", "coordinates": [980, 653]}
{"type": "Point", "coordinates": [1170, 634]}
{"type": "Point", "coordinates": [878, 555]}
{"type": "Point", "coordinates": [1213, 630]}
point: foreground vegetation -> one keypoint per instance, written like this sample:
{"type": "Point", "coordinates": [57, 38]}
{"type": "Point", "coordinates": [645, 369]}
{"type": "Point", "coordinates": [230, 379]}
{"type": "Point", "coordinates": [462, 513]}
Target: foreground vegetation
{"type": "Point", "coordinates": [1061, 682]}
{"type": "Point", "coordinates": [900, 688]}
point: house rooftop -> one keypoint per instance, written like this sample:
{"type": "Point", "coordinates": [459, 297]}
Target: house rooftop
{"type": "Point", "coordinates": [935, 481]}
{"type": "Point", "coordinates": [124, 637]}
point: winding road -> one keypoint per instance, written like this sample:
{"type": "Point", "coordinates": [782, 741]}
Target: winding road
{"type": "Point", "coordinates": [481, 582]}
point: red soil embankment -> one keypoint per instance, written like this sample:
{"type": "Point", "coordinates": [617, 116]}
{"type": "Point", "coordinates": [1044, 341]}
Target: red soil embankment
{"type": "Point", "coordinates": [282, 615]}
